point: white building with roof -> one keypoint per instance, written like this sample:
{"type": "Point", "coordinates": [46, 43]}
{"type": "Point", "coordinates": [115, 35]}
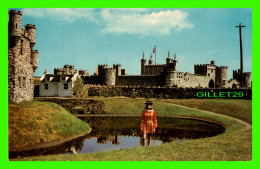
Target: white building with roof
{"type": "Point", "coordinates": [59, 84]}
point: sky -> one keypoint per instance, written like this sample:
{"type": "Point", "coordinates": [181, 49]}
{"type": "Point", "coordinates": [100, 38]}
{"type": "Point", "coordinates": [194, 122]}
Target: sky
{"type": "Point", "coordinates": [86, 37]}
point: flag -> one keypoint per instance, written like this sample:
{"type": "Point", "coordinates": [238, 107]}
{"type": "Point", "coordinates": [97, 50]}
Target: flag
{"type": "Point", "coordinates": [154, 49]}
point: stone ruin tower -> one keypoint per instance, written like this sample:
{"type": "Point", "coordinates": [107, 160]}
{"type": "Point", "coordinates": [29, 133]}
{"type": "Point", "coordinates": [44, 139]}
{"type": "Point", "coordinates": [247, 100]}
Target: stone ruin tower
{"type": "Point", "coordinates": [22, 59]}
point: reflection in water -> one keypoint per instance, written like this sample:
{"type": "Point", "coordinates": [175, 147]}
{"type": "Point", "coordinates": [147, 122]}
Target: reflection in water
{"type": "Point", "coordinates": [143, 140]}
{"type": "Point", "coordinates": [114, 133]}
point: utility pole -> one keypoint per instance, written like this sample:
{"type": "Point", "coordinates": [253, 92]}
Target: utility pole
{"type": "Point", "coordinates": [241, 53]}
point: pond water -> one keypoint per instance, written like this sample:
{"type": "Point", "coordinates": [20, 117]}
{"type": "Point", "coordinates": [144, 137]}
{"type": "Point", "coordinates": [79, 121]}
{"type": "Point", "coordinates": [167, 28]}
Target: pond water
{"type": "Point", "coordinates": [114, 133]}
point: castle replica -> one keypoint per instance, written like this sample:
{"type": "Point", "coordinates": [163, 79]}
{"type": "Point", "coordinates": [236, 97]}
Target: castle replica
{"type": "Point", "coordinates": [166, 75]}
{"type": "Point", "coordinates": [22, 59]}
{"type": "Point", "coordinates": [152, 75]}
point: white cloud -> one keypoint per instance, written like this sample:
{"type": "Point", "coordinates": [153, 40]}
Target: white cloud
{"type": "Point", "coordinates": [139, 21]}
{"type": "Point", "coordinates": [121, 20]}
{"type": "Point", "coordinates": [63, 14]}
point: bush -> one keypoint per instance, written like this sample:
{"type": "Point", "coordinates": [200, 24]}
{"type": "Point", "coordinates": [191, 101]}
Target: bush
{"type": "Point", "coordinates": [80, 89]}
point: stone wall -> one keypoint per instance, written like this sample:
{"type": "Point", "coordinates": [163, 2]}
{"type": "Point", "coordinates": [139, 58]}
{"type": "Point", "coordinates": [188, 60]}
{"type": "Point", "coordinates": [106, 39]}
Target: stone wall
{"type": "Point", "coordinates": [156, 92]}
{"type": "Point", "coordinates": [143, 81]}
{"type": "Point", "coordinates": [152, 69]}
{"type": "Point", "coordinates": [78, 106]}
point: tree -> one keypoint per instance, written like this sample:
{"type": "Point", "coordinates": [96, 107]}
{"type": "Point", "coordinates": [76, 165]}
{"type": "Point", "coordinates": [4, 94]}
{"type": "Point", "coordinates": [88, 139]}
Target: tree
{"type": "Point", "coordinates": [79, 88]}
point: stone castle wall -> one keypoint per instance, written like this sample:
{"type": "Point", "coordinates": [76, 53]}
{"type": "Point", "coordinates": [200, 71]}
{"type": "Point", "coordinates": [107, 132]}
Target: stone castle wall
{"type": "Point", "coordinates": [194, 81]}
{"type": "Point", "coordinates": [143, 81]}
{"type": "Point", "coordinates": [162, 92]}
{"type": "Point", "coordinates": [153, 69]}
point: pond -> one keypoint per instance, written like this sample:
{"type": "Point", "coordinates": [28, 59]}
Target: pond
{"type": "Point", "coordinates": [114, 133]}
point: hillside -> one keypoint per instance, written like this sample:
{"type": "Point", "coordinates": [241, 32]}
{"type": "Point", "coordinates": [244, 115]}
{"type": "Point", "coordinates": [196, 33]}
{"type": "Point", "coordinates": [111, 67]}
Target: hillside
{"type": "Point", "coordinates": [32, 123]}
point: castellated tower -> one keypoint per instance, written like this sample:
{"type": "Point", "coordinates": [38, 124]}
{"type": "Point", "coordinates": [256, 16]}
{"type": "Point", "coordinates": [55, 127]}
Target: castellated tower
{"type": "Point", "coordinates": [171, 71]}
{"type": "Point", "coordinates": [107, 75]}
{"type": "Point", "coordinates": [14, 26]}
{"type": "Point", "coordinates": [31, 29]}
{"type": "Point", "coordinates": [221, 76]}
{"type": "Point", "coordinates": [22, 59]}
{"type": "Point", "coordinates": [170, 78]}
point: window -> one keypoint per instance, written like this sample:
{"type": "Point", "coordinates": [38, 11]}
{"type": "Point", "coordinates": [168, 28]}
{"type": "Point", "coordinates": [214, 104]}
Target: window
{"type": "Point", "coordinates": [20, 81]}
{"type": "Point", "coordinates": [24, 81]}
{"type": "Point", "coordinates": [208, 74]}
{"type": "Point", "coordinates": [66, 86]}
{"type": "Point", "coordinates": [46, 86]}
{"type": "Point", "coordinates": [63, 78]}
{"type": "Point", "coordinates": [47, 78]}
{"type": "Point", "coordinates": [21, 47]}
{"type": "Point", "coordinates": [211, 70]}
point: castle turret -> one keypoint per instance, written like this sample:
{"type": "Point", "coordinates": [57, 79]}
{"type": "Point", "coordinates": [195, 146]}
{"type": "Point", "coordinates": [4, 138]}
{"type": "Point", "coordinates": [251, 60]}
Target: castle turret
{"type": "Point", "coordinates": [83, 72]}
{"type": "Point", "coordinates": [143, 62]}
{"type": "Point", "coordinates": [34, 59]}
{"type": "Point", "coordinates": [67, 69]}
{"type": "Point", "coordinates": [168, 60]}
{"type": "Point", "coordinates": [58, 71]}
{"type": "Point", "coordinates": [151, 60]}
{"type": "Point", "coordinates": [170, 78]}
{"type": "Point", "coordinates": [235, 74]}
{"type": "Point", "coordinates": [15, 25]}
{"type": "Point", "coordinates": [109, 76]}
{"type": "Point", "coordinates": [221, 76]}
{"type": "Point", "coordinates": [31, 29]}
{"type": "Point", "coordinates": [247, 79]}
{"type": "Point", "coordinates": [118, 68]}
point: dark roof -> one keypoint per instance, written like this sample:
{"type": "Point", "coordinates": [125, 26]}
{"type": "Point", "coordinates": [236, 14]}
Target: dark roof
{"type": "Point", "coordinates": [56, 78]}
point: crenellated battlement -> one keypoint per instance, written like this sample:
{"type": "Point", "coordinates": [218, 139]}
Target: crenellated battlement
{"type": "Point", "coordinates": [222, 67]}
{"type": "Point", "coordinates": [247, 73]}
{"type": "Point", "coordinates": [205, 65]}
{"type": "Point", "coordinates": [30, 26]}
{"type": "Point", "coordinates": [159, 65]}
{"type": "Point", "coordinates": [66, 70]}
{"type": "Point", "coordinates": [15, 12]}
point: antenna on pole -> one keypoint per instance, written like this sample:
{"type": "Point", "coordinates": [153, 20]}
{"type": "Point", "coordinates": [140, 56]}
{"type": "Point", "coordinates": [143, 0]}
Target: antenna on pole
{"type": "Point", "coordinates": [241, 54]}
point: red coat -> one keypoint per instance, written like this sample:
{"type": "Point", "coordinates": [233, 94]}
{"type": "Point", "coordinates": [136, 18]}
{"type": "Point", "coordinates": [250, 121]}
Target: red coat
{"type": "Point", "coordinates": [148, 121]}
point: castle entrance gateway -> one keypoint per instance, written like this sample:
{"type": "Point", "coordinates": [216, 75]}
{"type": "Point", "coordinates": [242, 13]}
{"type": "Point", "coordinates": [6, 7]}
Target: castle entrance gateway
{"type": "Point", "coordinates": [211, 84]}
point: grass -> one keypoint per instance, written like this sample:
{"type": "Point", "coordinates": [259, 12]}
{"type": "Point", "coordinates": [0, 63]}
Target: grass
{"type": "Point", "coordinates": [241, 109]}
{"type": "Point", "coordinates": [233, 144]}
{"type": "Point", "coordinates": [33, 122]}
